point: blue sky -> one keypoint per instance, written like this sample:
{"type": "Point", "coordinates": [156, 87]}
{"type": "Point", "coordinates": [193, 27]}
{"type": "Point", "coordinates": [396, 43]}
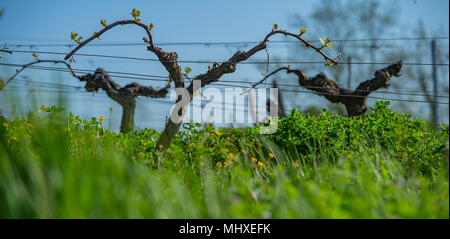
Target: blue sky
{"type": "Point", "coordinates": [28, 21]}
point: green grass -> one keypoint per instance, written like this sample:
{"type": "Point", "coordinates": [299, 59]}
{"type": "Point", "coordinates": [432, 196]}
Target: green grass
{"type": "Point", "coordinates": [382, 165]}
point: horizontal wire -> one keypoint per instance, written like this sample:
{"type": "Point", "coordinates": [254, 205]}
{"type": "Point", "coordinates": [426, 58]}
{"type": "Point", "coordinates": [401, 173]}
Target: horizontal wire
{"type": "Point", "coordinates": [165, 78]}
{"type": "Point", "coordinates": [56, 89]}
{"type": "Point", "coordinates": [228, 43]}
{"type": "Point", "coordinates": [323, 93]}
{"type": "Point", "coordinates": [245, 62]}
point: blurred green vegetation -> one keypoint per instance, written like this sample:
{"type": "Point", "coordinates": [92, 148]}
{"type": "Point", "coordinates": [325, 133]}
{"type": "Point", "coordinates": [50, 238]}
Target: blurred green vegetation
{"type": "Point", "coordinates": [380, 165]}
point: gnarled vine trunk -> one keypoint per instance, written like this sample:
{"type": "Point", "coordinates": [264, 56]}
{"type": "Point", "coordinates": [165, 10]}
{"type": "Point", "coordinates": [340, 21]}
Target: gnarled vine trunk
{"type": "Point", "coordinates": [354, 100]}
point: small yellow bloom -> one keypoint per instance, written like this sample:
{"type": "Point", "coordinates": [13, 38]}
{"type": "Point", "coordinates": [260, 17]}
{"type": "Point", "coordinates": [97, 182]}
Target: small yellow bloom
{"type": "Point", "coordinates": [218, 133]}
{"type": "Point", "coordinates": [135, 13]}
{"type": "Point", "coordinates": [219, 164]}
{"type": "Point", "coordinates": [5, 124]}
{"type": "Point", "coordinates": [101, 118]}
{"type": "Point", "coordinates": [110, 108]}
{"type": "Point", "coordinates": [261, 164]}
{"type": "Point", "coordinates": [275, 27]}
{"type": "Point", "coordinates": [302, 31]}
{"type": "Point", "coordinates": [297, 165]}
{"type": "Point", "coordinates": [254, 159]}
{"type": "Point", "coordinates": [271, 155]}
{"type": "Point", "coordinates": [43, 108]}
{"type": "Point", "coordinates": [133, 157]}
{"type": "Point", "coordinates": [231, 156]}
{"type": "Point", "coordinates": [202, 164]}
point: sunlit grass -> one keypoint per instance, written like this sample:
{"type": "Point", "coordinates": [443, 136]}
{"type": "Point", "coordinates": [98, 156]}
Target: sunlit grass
{"type": "Point", "coordinates": [54, 165]}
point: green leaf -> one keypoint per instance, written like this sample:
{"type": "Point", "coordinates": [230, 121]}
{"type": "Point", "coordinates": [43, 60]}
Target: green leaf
{"type": "Point", "coordinates": [275, 27]}
{"type": "Point", "coordinates": [73, 35]}
{"type": "Point", "coordinates": [103, 22]}
{"type": "Point", "coordinates": [328, 43]}
{"type": "Point", "coordinates": [135, 13]}
{"type": "Point", "coordinates": [322, 43]}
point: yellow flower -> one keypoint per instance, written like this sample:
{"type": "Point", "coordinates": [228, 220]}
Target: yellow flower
{"type": "Point", "coordinates": [135, 13]}
{"type": "Point", "coordinates": [43, 108]}
{"type": "Point", "coordinates": [133, 157]}
{"type": "Point", "coordinates": [219, 164]}
{"type": "Point", "coordinates": [302, 31]}
{"type": "Point", "coordinates": [202, 164]}
{"type": "Point", "coordinates": [101, 118]}
{"type": "Point", "coordinates": [271, 155]}
{"type": "Point", "coordinates": [254, 159]}
{"type": "Point", "coordinates": [231, 156]}
{"type": "Point", "coordinates": [297, 165]}
{"type": "Point", "coordinates": [218, 133]}
{"type": "Point", "coordinates": [187, 70]}
{"type": "Point", "coordinates": [275, 27]}
{"type": "Point", "coordinates": [261, 164]}
{"type": "Point", "coordinates": [110, 108]}
{"type": "Point", "coordinates": [5, 124]}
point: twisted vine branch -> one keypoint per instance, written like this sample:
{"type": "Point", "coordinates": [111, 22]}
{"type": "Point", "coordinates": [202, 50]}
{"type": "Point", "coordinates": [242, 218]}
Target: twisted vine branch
{"type": "Point", "coordinates": [169, 61]}
{"type": "Point", "coordinates": [354, 100]}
